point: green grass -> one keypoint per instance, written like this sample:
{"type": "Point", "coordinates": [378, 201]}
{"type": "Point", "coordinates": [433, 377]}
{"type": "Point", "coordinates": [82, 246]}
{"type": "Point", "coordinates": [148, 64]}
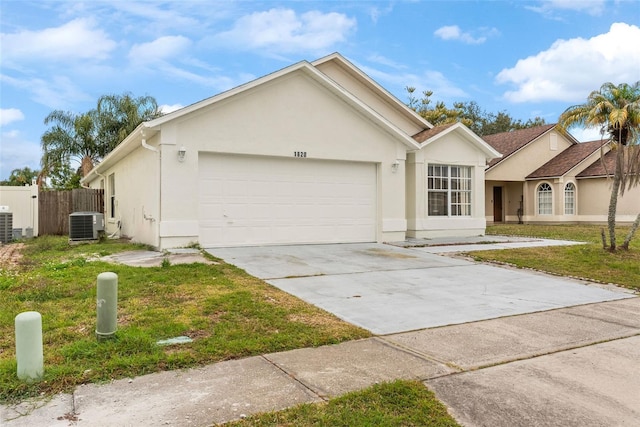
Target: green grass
{"type": "Point", "coordinates": [400, 403]}
{"type": "Point", "coordinates": [226, 312]}
{"type": "Point", "coordinates": [588, 261]}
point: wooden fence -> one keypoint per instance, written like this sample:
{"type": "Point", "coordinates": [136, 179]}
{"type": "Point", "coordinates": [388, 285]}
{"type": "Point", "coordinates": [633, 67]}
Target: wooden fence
{"type": "Point", "coordinates": [54, 208]}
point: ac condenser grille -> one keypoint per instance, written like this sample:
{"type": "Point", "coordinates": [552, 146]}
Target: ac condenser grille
{"type": "Point", "coordinates": [85, 225]}
{"type": "Point", "coordinates": [6, 226]}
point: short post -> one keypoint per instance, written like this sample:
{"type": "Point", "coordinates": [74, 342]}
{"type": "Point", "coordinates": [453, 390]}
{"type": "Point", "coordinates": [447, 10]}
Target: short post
{"type": "Point", "coordinates": [29, 346]}
{"type": "Point", "coordinates": [107, 305]}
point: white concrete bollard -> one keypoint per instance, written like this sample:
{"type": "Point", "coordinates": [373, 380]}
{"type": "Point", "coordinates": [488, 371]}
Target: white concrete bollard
{"type": "Point", "coordinates": [107, 305]}
{"type": "Point", "coordinates": [29, 352]}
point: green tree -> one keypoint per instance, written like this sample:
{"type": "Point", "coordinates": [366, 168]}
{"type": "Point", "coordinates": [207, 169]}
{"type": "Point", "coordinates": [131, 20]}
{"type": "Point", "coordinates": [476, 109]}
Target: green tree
{"type": "Point", "coordinates": [468, 113]}
{"type": "Point", "coordinates": [119, 115]}
{"type": "Point", "coordinates": [436, 115]}
{"type": "Point", "coordinates": [615, 110]}
{"type": "Point", "coordinates": [86, 138]}
{"type": "Point", "coordinates": [20, 177]}
{"type": "Point", "coordinates": [72, 137]}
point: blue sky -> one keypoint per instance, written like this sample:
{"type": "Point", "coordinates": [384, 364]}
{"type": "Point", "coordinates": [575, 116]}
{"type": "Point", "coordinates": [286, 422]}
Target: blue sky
{"type": "Point", "coordinates": [528, 58]}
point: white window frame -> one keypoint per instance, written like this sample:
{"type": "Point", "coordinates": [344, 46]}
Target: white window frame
{"type": "Point", "coordinates": [570, 198]}
{"type": "Point", "coordinates": [544, 199]}
{"type": "Point", "coordinates": [449, 187]}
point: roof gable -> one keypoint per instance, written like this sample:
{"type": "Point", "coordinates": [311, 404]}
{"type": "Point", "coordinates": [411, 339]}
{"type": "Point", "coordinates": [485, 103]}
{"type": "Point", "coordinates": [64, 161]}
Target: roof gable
{"type": "Point", "coordinates": [147, 129]}
{"type": "Point", "coordinates": [358, 75]}
{"type": "Point", "coordinates": [566, 160]}
{"type": "Point", "coordinates": [429, 136]}
{"type": "Point", "coordinates": [508, 143]}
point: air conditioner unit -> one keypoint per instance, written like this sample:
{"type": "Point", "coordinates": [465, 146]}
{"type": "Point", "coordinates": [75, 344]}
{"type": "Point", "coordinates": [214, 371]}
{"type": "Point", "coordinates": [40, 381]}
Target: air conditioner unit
{"type": "Point", "coordinates": [6, 226]}
{"type": "Point", "coordinates": [85, 225]}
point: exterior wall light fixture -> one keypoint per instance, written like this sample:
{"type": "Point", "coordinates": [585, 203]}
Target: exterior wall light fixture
{"type": "Point", "coordinates": [394, 166]}
{"type": "Point", "coordinates": [181, 153]}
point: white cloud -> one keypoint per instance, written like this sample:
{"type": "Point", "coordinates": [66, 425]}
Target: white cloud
{"type": "Point", "coordinates": [453, 32]}
{"type": "Point", "coordinates": [9, 115]}
{"type": "Point", "coordinates": [443, 89]}
{"type": "Point", "coordinates": [161, 49]}
{"type": "Point", "coordinates": [591, 7]}
{"type": "Point", "coordinates": [585, 134]}
{"type": "Point", "coordinates": [375, 12]}
{"type": "Point", "coordinates": [77, 39]}
{"type": "Point", "coordinates": [166, 109]}
{"type": "Point", "coordinates": [18, 152]}
{"type": "Point", "coordinates": [284, 31]}
{"type": "Point", "coordinates": [382, 60]}
{"type": "Point", "coordinates": [59, 92]}
{"type": "Point", "coordinates": [570, 69]}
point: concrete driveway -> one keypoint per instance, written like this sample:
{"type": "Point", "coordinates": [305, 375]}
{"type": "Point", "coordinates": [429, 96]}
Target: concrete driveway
{"type": "Point", "coordinates": [388, 289]}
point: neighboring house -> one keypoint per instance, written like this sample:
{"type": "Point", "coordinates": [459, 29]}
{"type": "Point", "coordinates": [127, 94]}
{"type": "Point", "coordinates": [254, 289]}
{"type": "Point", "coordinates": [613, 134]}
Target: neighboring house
{"type": "Point", "coordinates": [547, 176]}
{"type": "Point", "coordinates": [22, 203]}
{"type": "Point", "coordinates": [314, 153]}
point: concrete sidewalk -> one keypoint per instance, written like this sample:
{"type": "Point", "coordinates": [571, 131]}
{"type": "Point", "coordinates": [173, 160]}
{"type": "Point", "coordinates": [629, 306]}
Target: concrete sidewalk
{"type": "Point", "coordinates": [571, 366]}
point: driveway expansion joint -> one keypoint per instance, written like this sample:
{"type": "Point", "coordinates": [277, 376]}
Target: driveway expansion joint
{"type": "Point", "coordinates": [424, 356]}
{"type": "Point", "coordinates": [308, 389]}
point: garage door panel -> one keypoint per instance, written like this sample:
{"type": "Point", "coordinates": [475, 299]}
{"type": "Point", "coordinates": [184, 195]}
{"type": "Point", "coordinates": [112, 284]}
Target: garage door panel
{"type": "Point", "coordinates": [248, 200]}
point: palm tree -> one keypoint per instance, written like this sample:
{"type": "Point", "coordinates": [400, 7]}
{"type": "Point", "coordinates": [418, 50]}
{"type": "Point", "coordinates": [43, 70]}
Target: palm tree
{"type": "Point", "coordinates": [119, 115]}
{"type": "Point", "coordinates": [615, 110]}
{"type": "Point", "coordinates": [20, 177]}
{"type": "Point", "coordinates": [72, 137]}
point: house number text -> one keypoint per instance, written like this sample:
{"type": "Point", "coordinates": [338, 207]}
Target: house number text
{"type": "Point", "coordinates": [299, 154]}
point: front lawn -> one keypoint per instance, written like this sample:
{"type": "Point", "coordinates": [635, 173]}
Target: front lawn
{"type": "Point", "coordinates": [226, 312]}
{"type": "Point", "coordinates": [588, 261]}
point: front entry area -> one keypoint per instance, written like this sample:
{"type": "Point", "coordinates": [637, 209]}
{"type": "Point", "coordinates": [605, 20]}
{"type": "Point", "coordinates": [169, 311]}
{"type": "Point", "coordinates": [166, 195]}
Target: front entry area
{"type": "Point", "coordinates": [260, 200]}
{"type": "Point", "coordinates": [497, 204]}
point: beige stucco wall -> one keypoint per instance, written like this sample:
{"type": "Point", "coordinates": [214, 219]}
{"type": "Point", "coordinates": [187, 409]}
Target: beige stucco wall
{"type": "Point", "coordinates": [137, 195]}
{"type": "Point", "coordinates": [523, 162]}
{"type": "Point", "coordinates": [452, 149]}
{"type": "Point", "coordinates": [593, 201]}
{"type": "Point", "coordinates": [22, 202]}
{"type": "Point", "coordinates": [292, 113]}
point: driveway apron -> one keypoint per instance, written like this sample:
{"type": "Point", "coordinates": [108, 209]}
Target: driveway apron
{"type": "Point", "coordinates": [387, 289]}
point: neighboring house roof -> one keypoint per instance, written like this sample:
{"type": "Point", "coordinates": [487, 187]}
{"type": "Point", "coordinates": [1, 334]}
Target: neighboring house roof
{"type": "Point", "coordinates": [428, 136]}
{"type": "Point", "coordinates": [508, 143]}
{"type": "Point", "coordinates": [566, 160]}
{"type": "Point", "coordinates": [605, 166]}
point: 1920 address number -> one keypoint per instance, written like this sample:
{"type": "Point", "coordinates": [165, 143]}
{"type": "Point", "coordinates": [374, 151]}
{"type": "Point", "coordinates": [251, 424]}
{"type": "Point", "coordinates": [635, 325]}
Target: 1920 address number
{"type": "Point", "coordinates": [299, 154]}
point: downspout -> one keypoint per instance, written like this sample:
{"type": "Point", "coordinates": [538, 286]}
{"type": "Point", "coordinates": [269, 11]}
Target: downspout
{"type": "Point", "coordinates": [155, 150]}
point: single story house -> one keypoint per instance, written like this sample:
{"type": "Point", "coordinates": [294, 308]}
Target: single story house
{"type": "Point", "coordinates": [546, 176]}
{"type": "Point", "coordinates": [317, 152]}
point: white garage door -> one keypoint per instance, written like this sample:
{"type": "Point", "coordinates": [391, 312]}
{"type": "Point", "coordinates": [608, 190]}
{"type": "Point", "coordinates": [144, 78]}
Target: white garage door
{"type": "Point", "coordinates": [251, 200]}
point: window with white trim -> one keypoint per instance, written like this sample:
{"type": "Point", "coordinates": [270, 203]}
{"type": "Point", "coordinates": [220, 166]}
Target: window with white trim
{"type": "Point", "coordinates": [545, 199]}
{"type": "Point", "coordinates": [570, 199]}
{"type": "Point", "coordinates": [448, 190]}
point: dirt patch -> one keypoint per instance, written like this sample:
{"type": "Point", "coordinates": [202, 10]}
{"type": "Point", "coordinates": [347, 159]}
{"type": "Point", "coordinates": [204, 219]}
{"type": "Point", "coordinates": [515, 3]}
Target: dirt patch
{"type": "Point", "coordinates": [387, 254]}
{"type": "Point", "coordinates": [11, 255]}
